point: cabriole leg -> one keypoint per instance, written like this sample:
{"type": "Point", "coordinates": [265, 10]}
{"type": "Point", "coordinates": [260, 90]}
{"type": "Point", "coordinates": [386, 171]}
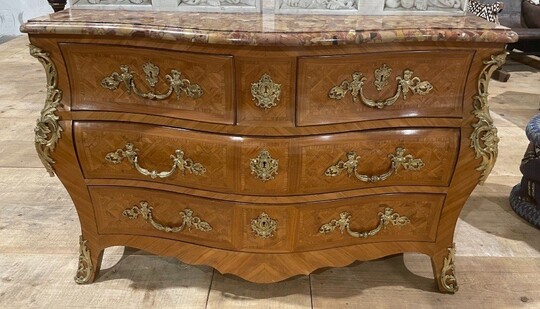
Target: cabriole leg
{"type": "Point", "coordinates": [89, 263]}
{"type": "Point", "coordinates": [444, 270]}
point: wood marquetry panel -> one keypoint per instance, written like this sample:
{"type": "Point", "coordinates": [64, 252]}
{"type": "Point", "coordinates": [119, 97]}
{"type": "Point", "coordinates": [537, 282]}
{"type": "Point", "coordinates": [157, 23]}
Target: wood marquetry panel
{"type": "Point", "coordinates": [281, 239]}
{"type": "Point", "coordinates": [421, 210]}
{"type": "Point", "coordinates": [282, 70]}
{"type": "Point", "coordinates": [94, 140]}
{"type": "Point", "coordinates": [110, 202]}
{"type": "Point", "coordinates": [445, 70]}
{"type": "Point", "coordinates": [88, 64]}
{"type": "Point", "coordinates": [250, 148]}
{"type": "Point", "coordinates": [437, 148]}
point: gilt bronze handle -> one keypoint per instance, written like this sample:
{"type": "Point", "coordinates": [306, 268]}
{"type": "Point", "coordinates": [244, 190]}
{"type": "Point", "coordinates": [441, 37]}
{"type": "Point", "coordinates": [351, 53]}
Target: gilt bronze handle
{"type": "Point", "coordinates": [179, 162]}
{"type": "Point", "coordinates": [343, 223]}
{"type": "Point", "coordinates": [177, 83]}
{"type": "Point", "coordinates": [406, 83]}
{"type": "Point", "coordinates": [398, 160]}
{"type": "Point", "coordinates": [188, 220]}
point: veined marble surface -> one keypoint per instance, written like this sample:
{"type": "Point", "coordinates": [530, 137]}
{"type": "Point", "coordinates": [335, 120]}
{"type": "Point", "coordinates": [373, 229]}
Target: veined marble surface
{"type": "Point", "coordinates": [270, 29]}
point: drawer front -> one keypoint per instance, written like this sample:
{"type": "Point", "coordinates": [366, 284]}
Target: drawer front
{"type": "Point", "coordinates": [267, 166]}
{"type": "Point", "coordinates": [377, 158]}
{"type": "Point", "coordinates": [398, 84]}
{"type": "Point", "coordinates": [266, 228]}
{"type": "Point", "coordinates": [405, 217]}
{"type": "Point", "coordinates": [168, 83]}
{"type": "Point", "coordinates": [266, 91]}
{"type": "Point", "coordinates": [207, 160]}
{"type": "Point", "coordinates": [123, 210]}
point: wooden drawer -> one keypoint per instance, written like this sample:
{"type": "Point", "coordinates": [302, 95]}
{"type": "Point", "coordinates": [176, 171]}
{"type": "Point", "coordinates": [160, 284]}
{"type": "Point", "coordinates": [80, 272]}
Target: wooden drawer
{"type": "Point", "coordinates": [121, 210]}
{"type": "Point", "coordinates": [321, 99]}
{"type": "Point", "coordinates": [406, 217]}
{"type": "Point", "coordinates": [96, 86]}
{"type": "Point", "coordinates": [303, 165]}
{"type": "Point", "coordinates": [265, 228]}
{"type": "Point", "coordinates": [97, 144]}
{"type": "Point", "coordinates": [327, 163]}
{"type": "Point", "coordinates": [266, 91]}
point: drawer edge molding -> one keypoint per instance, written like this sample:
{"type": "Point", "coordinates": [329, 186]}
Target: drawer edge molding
{"type": "Point", "coordinates": [177, 83]}
{"type": "Point", "coordinates": [406, 83]}
{"type": "Point", "coordinates": [48, 130]}
{"type": "Point", "coordinates": [132, 154]}
{"type": "Point", "coordinates": [399, 160]}
{"type": "Point", "coordinates": [343, 223]}
{"type": "Point", "coordinates": [484, 139]}
{"type": "Point", "coordinates": [188, 220]}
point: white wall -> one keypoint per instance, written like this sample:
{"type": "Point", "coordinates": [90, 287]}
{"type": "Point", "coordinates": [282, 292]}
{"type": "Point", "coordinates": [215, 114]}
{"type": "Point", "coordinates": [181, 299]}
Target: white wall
{"type": "Point", "coordinates": [15, 12]}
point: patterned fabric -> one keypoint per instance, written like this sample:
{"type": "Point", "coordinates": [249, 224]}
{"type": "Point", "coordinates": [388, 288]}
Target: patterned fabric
{"type": "Point", "coordinates": [533, 130]}
{"type": "Point", "coordinates": [531, 190]}
{"type": "Point", "coordinates": [523, 207]}
{"type": "Point", "coordinates": [530, 164]}
{"type": "Point", "coordinates": [486, 11]}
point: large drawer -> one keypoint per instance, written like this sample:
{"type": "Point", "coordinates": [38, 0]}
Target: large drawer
{"type": "Point", "coordinates": [150, 81]}
{"type": "Point", "coordinates": [266, 227]}
{"type": "Point", "coordinates": [432, 85]}
{"type": "Point", "coordinates": [267, 166]}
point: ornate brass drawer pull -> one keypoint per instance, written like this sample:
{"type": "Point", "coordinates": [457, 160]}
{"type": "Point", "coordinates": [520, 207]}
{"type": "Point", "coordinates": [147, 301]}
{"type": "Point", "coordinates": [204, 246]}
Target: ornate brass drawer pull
{"type": "Point", "coordinates": [188, 220]}
{"type": "Point", "coordinates": [177, 83]}
{"type": "Point", "coordinates": [265, 92]}
{"type": "Point", "coordinates": [399, 160]}
{"type": "Point", "coordinates": [264, 226]}
{"type": "Point", "coordinates": [343, 223]}
{"type": "Point", "coordinates": [179, 162]}
{"type": "Point", "coordinates": [264, 166]}
{"type": "Point", "coordinates": [406, 83]}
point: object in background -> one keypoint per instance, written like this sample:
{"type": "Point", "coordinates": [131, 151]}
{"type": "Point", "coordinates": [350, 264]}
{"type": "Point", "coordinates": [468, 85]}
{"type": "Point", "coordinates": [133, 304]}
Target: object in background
{"type": "Point", "coordinates": [530, 13]}
{"type": "Point", "coordinates": [525, 197]}
{"type": "Point", "coordinates": [57, 5]}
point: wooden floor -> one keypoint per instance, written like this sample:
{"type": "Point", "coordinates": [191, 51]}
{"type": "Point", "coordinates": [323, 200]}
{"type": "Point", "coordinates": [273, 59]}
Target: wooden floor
{"type": "Point", "coordinates": [498, 257]}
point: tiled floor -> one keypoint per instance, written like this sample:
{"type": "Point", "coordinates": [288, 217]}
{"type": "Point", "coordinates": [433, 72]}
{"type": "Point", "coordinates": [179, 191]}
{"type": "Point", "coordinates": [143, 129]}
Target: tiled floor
{"type": "Point", "coordinates": [498, 259]}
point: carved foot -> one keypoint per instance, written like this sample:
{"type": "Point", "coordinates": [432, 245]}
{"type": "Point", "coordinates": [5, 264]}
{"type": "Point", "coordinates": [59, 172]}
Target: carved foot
{"type": "Point", "coordinates": [88, 264]}
{"type": "Point", "coordinates": [444, 270]}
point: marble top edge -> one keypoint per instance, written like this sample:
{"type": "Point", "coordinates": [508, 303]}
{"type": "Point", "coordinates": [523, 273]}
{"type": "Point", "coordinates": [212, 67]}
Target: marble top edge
{"type": "Point", "coordinates": [270, 29]}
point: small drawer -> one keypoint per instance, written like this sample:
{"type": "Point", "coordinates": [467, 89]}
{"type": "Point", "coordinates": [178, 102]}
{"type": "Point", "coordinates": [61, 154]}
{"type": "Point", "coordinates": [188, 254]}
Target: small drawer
{"type": "Point", "coordinates": [162, 154]}
{"type": "Point", "coordinates": [266, 91]}
{"type": "Point", "coordinates": [392, 217]}
{"type": "Point", "coordinates": [150, 81]}
{"type": "Point", "coordinates": [350, 88]}
{"type": "Point", "coordinates": [137, 211]}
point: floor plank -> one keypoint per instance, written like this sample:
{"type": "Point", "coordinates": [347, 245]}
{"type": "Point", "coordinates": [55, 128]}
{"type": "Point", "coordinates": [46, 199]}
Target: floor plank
{"type": "Point", "coordinates": [406, 282]}
{"type": "Point", "coordinates": [136, 281]}
{"type": "Point", "coordinates": [232, 292]}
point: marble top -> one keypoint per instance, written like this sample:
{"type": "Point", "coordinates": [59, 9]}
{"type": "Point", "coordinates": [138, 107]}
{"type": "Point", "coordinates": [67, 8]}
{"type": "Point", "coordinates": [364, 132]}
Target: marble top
{"type": "Point", "coordinates": [270, 29]}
